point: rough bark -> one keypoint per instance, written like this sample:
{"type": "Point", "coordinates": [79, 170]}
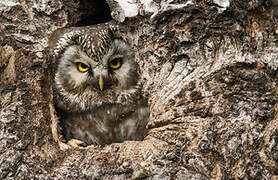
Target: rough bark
{"type": "Point", "coordinates": [210, 75]}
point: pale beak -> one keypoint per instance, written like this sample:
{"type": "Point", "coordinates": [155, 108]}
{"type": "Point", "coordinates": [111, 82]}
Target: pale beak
{"type": "Point", "coordinates": [100, 82]}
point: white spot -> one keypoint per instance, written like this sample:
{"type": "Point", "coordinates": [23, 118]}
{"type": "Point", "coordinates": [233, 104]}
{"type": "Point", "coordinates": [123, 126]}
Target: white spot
{"type": "Point", "coordinates": [129, 7]}
{"type": "Point", "coordinates": [150, 6]}
{"type": "Point", "coordinates": [223, 3]}
{"type": "Point", "coordinates": [10, 3]}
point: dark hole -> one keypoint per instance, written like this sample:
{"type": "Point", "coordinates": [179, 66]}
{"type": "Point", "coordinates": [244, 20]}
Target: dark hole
{"type": "Point", "coordinates": [93, 12]}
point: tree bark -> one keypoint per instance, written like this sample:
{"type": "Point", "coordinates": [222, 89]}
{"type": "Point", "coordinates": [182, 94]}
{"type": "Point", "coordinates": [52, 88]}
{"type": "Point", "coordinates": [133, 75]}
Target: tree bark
{"type": "Point", "coordinates": [210, 76]}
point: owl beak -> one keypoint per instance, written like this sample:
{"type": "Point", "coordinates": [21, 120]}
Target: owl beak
{"type": "Point", "coordinates": [100, 82]}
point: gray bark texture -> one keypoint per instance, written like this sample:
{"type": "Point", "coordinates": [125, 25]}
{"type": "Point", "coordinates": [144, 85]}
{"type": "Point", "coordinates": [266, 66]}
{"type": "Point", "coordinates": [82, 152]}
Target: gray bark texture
{"type": "Point", "coordinates": [210, 77]}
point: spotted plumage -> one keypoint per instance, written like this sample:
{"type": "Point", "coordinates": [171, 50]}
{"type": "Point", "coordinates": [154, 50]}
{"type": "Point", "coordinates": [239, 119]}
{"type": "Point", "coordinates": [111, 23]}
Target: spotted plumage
{"type": "Point", "coordinates": [97, 89]}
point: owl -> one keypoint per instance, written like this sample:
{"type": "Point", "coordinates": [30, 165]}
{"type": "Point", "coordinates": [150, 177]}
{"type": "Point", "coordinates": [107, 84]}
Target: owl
{"type": "Point", "coordinates": [96, 85]}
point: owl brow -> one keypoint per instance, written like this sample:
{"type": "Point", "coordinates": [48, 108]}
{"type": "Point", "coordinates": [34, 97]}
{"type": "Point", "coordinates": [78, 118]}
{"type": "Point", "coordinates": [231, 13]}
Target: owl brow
{"type": "Point", "coordinates": [79, 59]}
{"type": "Point", "coordinates": [74, 57]}
{"type": "Point", "coordinates": [116, 56]}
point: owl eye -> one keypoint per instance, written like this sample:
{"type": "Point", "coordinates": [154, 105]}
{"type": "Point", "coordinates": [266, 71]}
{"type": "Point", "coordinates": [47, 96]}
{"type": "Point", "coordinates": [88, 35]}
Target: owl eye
{"type": "Point", "coordinates": [115, 63]}
{"type": "Point", "coordinates": [81, 67]}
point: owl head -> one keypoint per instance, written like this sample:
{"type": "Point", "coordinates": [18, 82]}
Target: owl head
{"type": "Point", "coordinates": [92, 66]}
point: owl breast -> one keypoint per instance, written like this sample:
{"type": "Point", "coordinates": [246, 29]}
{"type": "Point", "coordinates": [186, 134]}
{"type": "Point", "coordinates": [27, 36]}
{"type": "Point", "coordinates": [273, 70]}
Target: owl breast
{"type": "Point", "coordinates": [107, 124]}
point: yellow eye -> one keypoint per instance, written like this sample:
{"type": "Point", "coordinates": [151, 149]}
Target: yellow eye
{"type": "Point", "coordinates": [82, 67]}
{"type": "Point", "coordinates": [115, 63]}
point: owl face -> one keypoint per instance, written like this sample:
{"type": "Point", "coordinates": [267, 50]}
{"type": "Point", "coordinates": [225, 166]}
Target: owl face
{"type": "Point", "coordinates": [87, 77]}
{"type": "Point", "coordinates": [116, 71]}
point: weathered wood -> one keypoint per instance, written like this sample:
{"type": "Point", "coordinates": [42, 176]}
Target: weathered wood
{"type": "Point", "coordinates": [210, 75]}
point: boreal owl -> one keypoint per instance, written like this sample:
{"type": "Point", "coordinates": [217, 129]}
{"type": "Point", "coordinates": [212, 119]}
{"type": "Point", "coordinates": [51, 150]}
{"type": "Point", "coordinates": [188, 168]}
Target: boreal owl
{"type": "Point", "coordinates": [96, 85]}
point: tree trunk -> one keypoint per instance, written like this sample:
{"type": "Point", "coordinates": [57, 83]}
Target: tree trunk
{"type": "Point", "coordinates": [210, 76]}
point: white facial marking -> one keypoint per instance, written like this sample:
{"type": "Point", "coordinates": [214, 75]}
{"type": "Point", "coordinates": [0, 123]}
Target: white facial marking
{"type": "Point", "coordinates": [77, 76]}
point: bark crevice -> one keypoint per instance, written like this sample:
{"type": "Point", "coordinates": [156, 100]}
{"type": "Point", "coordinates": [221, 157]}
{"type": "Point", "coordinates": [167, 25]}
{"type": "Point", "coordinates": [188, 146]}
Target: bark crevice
{"type": "Point", "coordinates": [210, 75]}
